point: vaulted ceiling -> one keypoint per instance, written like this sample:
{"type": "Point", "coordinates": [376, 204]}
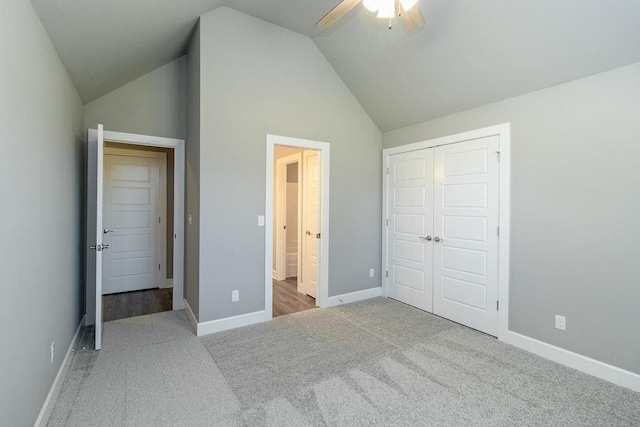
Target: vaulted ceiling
{"type": "Point", "coordinates": [468, 54]}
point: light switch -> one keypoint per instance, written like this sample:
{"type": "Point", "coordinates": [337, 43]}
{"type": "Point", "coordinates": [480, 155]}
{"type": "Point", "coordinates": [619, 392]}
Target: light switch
{"type": "Point", "coordinates": [261, 221]}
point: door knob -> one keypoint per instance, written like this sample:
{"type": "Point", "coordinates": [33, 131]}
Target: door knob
{"type": "Point", "coordinates": [437, 239]}
{"type": "Point", "coordinates": [105, 247]}
{"type": "Point", "coordinates": [105, 231]}
{"type": "Point", "coordinates": [427, 238]}
{"type": "Point", "coordinates": [308, 233]}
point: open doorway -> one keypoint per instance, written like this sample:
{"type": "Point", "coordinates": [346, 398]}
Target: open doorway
{"type": "Point", "coordinates": [295, 213]}
{"type": "Point", "coordinates": [297, 225]}
{"type": "Point", "coordinates": [97, 234]}
{"type": "Point", "coordinates": [138, 228]}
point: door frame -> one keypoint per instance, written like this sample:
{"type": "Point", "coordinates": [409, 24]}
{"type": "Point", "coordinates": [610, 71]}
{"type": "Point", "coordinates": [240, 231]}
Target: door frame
{"type": "Point", "coordinates": [178, 210]}
{"type": "Point", "coordinates": [161, 232]}
{"type": "Point", "coordinates": [323, 149]}
{"type": "Point", "coordinates": [503, 131]}
{"type": "Point", "coordinates": [280, 273]}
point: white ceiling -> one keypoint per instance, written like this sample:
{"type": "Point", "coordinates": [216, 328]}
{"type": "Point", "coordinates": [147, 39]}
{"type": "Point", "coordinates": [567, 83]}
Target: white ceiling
{"type": "Point", "coordinates": [469, 53]}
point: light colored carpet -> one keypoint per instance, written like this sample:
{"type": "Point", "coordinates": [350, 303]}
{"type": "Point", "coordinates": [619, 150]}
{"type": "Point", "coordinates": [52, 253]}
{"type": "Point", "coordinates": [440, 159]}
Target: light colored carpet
{"type": "Point", "coordinates": [377, 362]}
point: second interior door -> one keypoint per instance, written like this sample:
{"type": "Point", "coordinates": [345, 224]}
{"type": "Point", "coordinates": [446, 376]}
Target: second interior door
{"type": "Point", "coordinates": [131, 193]}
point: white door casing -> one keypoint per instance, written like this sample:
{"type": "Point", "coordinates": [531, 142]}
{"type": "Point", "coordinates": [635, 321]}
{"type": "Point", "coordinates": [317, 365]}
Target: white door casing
{"type": "Point", "coordinates": [310, 223]}
{"type": "Point", "coordinates": [324, 152]}
{"type": "Point", "coordinates": [132, 220]}
{"type": "Point", "coordinates": [410, 228]}
{"type": "Point", "coordinates": [465, 263]}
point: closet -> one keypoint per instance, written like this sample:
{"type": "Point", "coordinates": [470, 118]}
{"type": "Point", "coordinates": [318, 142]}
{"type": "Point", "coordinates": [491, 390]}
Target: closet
{"type": "Point", "coordinates": [441, 235]}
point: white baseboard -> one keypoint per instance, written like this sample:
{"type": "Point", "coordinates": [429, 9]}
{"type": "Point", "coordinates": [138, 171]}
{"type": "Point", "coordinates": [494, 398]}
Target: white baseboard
{"type": "Point", "coordinates": [47, 406]}
{"type": "Point", "coordinates": [212, 326]}
{"type": "Point", "coordinates": [354, 297]}
{"type": "Point", "coordinates": [573, 360]}
{"type": "Point", "coordinates": [191, 316]}
{"type": "Point", "coordinates": [168, 284]}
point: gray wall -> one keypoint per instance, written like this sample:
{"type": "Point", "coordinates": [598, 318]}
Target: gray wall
{"type": "Point", "coordinates": [575, 210]}
{"type": "Point", "coordinates": [192, 182]}
{"type": "Point", "coordinates": [258, 79]}
{"type": "Point", "coordinates": [40, 209]}
{"type": "Point", "coordinates": [154, 104]}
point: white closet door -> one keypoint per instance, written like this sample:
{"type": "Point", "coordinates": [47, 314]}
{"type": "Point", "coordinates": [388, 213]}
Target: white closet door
{"type": "Point", "coordinates": [466, 223]}
{"type": "Point", "coordinates": [410, 214]}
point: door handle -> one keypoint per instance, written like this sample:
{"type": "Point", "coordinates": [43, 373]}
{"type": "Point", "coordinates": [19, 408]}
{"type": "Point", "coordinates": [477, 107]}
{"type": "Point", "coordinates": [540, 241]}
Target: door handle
{"type": "Point", "coordinates": [308, 233]}
{"type": "Point", "coordinates": [105, 231]}
{"type": "Point", "coordinates": [427, 238]}
{"type": "Point", "coordinates": [99, 248]}
{"type": "Point", "coordinates": [437, 239]}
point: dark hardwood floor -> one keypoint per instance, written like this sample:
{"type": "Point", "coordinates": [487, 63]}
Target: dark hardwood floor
{"type": "Point", "coordinates": [136, 303]}
{"type": "Point", "coordinates": [287, 299]}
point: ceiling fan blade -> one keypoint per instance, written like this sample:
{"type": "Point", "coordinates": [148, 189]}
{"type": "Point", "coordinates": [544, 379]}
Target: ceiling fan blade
{"type": "Point", "coordinates": [337, 12]}
{"type": "Point", "coordinates": [411, 19]}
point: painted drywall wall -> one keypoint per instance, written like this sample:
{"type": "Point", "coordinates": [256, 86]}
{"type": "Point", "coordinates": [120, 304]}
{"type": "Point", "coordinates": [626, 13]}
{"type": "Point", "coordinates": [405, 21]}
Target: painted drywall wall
{"type": "Point", "coordinates": [154, 104]}
{"type": "Point", "coordinates": [40, 206]}
{"type": "Point", "coordinates": [574, 210]}
{"type": "Point", "coordinates": [192, 180]}
{"type": "Point", "coordinates": [259, 79]}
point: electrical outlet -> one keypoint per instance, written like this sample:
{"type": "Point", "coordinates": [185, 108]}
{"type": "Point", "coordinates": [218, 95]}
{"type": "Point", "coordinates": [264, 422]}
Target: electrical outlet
{"type": "Point", "coordinates": [371, 272]}
{"type": "Point", "coordinates": [235, 296]}
{"type": "Point", "coordinates": [561, 322]}
{"type": "Point", "coordinates": [53, 350]}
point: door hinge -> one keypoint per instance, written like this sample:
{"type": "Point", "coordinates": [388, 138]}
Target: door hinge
{"type": "Point", "coordinates": [158, 266]}
{"type": "Point", "coordinates": [498, 231]}
{"type": "Point", "coordinates": [386, 273]}
{"type": "Point", "coordinates": [498, 305]}
{"type": "Point", "coordinates": [317, 235]}
{"type": "Point", "coordinates": [159, 220]}
{"type": "Point", "coordinates": [387, 223]}
{"type": "Point", "coordinates": [284, 227]}
{"type": "Point", "coordinates": [387, 171]}
{"type": "Point", "coordinates": [498, 153]}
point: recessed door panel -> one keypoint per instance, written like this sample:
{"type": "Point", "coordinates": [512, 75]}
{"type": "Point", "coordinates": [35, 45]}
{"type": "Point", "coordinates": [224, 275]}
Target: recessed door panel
{"type": "Point", "coordinates": [461, 293]}
{"type": "Point", "coordinates": [465, 260]}
{"type": "Point", "coordinates": [464, 195]}
{"type": "Point", "coordinates": [409, 277]}
{"type": "Point", "coordinates": [408, 197]}
{"type": "Point", "coordinates": [409, 223]}
{"type": "Point", "coordinates": [408, 251]}
{"type": "Point", "coordinates": [465, 163]}
{"type": "Point", "coordinates": [470, 228]}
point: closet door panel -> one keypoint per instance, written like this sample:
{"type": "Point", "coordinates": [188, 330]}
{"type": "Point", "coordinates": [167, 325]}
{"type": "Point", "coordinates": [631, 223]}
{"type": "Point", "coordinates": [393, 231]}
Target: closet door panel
{"type": "Point", "coordinates": [410, 214]}
{"type": "Point", "coordinates": [465, 252]}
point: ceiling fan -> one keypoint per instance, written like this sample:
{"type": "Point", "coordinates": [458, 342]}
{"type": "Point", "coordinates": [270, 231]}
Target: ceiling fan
{"type": "Point", "coordinates": [407, 10]}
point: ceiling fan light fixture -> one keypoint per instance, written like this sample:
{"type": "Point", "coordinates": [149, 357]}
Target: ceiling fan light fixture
{"type": "Point", "coordinates": [408, 4]}
{"type": "Point", "coordinates": [387, 9]}
{"type": "Point", "coordinates": [372, 5]}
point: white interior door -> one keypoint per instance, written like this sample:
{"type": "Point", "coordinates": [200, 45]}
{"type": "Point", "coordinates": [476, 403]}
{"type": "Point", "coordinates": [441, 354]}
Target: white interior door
{"type": "Point", "coordinates": [409, 230]}
{"type": "Point", "coordinates": [466, 198]}
{"type": "Point", "coordinates": [131, 223]}
{"type": "Point", "coordinates": [95, 154]}
{"type": "Point", "coordinates": [311, 224]}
